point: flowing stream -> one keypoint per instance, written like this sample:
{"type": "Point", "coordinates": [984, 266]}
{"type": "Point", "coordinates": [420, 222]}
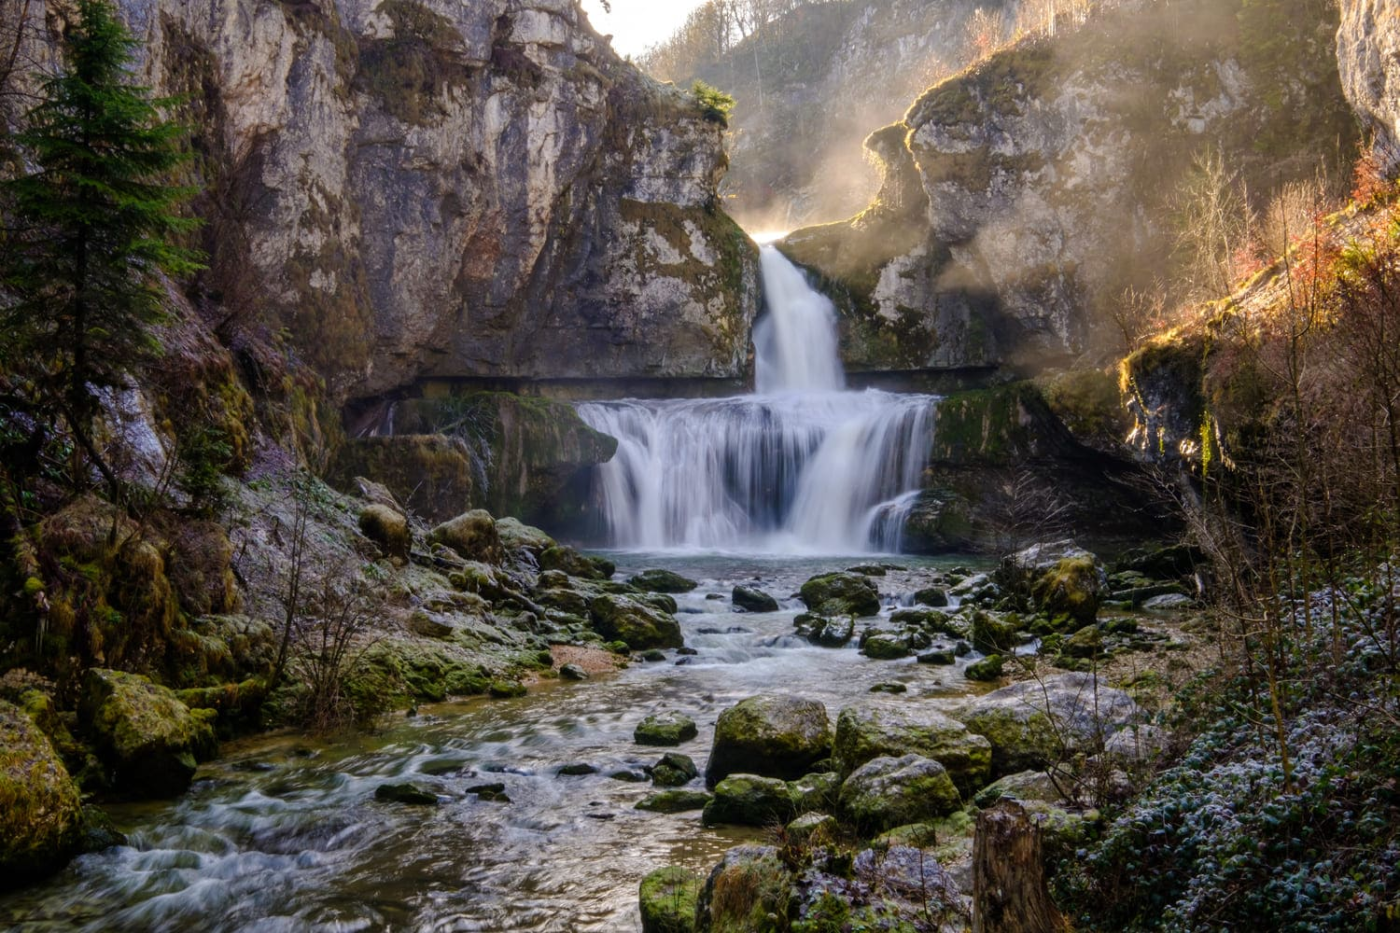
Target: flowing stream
{"type": "Point", "coordinates": [284, 835]}
{"type": "Point", "coordinates": [801, 467]}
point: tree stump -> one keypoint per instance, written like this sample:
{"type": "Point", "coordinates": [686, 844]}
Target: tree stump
{"type": "Point", "coordinates": [1009, 892]}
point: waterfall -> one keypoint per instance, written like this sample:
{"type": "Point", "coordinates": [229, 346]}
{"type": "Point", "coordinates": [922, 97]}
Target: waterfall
{"type": "Point", "coordinates": [801, 466]}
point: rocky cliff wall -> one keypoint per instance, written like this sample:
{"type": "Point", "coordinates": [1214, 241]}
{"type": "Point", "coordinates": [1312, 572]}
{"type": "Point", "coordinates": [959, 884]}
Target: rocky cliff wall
{"type": "Point", "coordinates": [1368, 54]}
{"type": "Point", "coordinates": [1024, 196]}
{"type": "Point", "coordinates": [470, 190]}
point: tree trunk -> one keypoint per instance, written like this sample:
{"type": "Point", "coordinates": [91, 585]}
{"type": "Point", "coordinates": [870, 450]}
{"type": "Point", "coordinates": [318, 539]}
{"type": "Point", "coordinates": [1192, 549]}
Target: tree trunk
{"type": "Point", "coordinates": [1009, 893]}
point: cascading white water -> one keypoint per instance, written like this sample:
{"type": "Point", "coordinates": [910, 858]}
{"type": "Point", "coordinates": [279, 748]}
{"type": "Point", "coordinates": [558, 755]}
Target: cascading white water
{"type": "Point", "coordinates": [802, 466]}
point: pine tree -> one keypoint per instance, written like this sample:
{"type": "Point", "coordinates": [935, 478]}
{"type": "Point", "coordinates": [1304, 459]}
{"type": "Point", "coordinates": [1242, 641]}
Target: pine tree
{"type": "Point", "coordinates": [93, 228]}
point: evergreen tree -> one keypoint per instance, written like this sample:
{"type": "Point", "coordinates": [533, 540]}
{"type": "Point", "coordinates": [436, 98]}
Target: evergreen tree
{"type": "Point", "coordinates": [94, 226]}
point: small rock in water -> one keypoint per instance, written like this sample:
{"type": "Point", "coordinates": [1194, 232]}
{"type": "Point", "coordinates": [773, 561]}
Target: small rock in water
{"type": "Point", "coordinates": [675, 801]}
{"type": "Point", "coordinates": [491, 793]}
{"type": "Point", "coordinates": [750, 599]}
{"type": "Point", "coordinates": [405, 793]}
{"type": "Point", "coordinates": [655, 654]}
{"type": "Point", "coordinates": [439, 768]}
{"type": "Point", "coordinates": [669, 728]}
{"type": "Point", "coordinates": [709, 630]}
{"type": "Point", "coordinates": [868, 570]}
{"type": "Point", "coordinates": [714, 597]}
{"type": "Point", "coordinates": [573, 672]}
{"type": "Point", "coordinates": [674, 770]}
{"type": "Point", "coordinates": [940, 655]}
{"type": "Point", "coordinates": [684, 661]}
{"type": "Point", "coordinates": [738, 630]}
{"type": "Point", "coordinates": [889, 688]}
{"type": "Point", "coordinates": [686, 652]}
{"type": "Point", "coordinates": [629, 776]}
{"type": "Point", "coordinates": [662, 581]}
{"type": "Point", "coordinates": [578, 768]}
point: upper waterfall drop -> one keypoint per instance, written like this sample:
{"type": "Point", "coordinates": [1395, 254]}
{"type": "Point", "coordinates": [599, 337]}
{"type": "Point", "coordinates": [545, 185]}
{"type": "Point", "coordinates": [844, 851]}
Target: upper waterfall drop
{"type": "Point", "coordinates": [797, 343]}
{"type": "Point", "coordinates": [802, 466]}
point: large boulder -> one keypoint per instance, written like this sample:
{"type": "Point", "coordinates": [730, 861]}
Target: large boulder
{"type": "Point", "coordinates": [41, 816]}
{"type": "Point", "coordinates": [564, 558]}
{"type": "Point", "coordinates": [515, 535]}
{"type": "Point", "coordinates": [150, 740]}
{"type": "Point", "coordinates": [889, 792]}
{"type": "Point", "coordinates": [642, 627]}
{"type": "Point", "coordinates": [841, 594]}
{"type": "Point", "coordinates": [1037, 723]}
{"type": "Point", "coordinates": [1059, 578]}
{"type": "Point", "coordinates": [749, 800]}
{"type": "Point", "coordinates": [774, 736]}
{"type": "Point", "coordinates": [473, 535]}
{"type": "Point", "coordinates": [387, 528]}
{"type": "Point", "coordinates": [866, 733]}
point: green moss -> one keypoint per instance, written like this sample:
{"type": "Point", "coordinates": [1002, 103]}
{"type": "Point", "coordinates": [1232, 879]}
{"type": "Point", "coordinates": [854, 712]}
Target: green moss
{"type": "Point", "coordinates": [40, 811]}
{"type": "Point", "coordinates": [668, 897]}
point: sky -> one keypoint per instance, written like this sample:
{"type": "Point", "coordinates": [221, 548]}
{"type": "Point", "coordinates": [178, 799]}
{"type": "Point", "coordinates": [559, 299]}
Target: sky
{"type": "Point", "coordinates": [636, 25]}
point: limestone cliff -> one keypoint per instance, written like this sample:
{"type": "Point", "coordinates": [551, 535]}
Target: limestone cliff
{"type": "Point", "coordinates": [411, 189]}
{"type": "Point", "coordinates": [1023, 196]}
{"type": "Point", "coordinates": [1368, 54]}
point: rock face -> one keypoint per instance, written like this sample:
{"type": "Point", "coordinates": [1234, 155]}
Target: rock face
{"type": "Point", "coordinates": [772, 736]}
{"type": "Point", "coordinates": [40, 812]}
{"type": "Point", "coordinates": [1368, 57]}
{"type": "Point", "coordinates": [992, 241]}
{"type": "Point", "coordinates": [151, 740]}
{"type": "Point", "coordinates": [442, 190]}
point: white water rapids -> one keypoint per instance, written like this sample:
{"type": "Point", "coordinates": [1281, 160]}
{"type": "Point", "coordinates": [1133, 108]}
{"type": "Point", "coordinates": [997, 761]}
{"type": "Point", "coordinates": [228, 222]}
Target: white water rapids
{"type": "Point", "coordinates": [803, 466]}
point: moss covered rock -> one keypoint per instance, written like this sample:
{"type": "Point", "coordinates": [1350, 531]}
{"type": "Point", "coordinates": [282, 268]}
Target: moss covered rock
{"type": "Point", "coordinates": [150, 740]}
{"type": "Point", "coordinates": [749, 800]}
{"type": "Point", "coordinates": [473, 535]}
{"type": "Point", "coordinates": [751, 599]}
{"type": "Point", "coordinates": [992, 634]}
{"type": "Point", "coordinates": [674, 770]}
{"type": "Point", "coordinates": [387, 528]}
{"type": "Point", "coordinates": [773, 736]}
{"type": "Point", "coordinates": [639, 625]}
{"type": "Point", "coordinates": [884, 646]}
{"type": "Point", "coordinates": [565, 559]}
{"type": "Point", "coordinates": [841, 594]}
{"type": "Point", "coordinates": [662, 581]}
{"type": "Point", "coordinates": [41, 815]}
{"type": "Point", "coordinates": [1037, 723]}
{"type": "Point", "coordinates": [668, 897]}
{"type": "Point", "coordinates": [517, 536]}
{"type": "Point", "coordinates": [889, 792]}
{"type": "Point", "coordinates": [676, 800]}
{"type": "Point", "coordinates": [669, 728]}
{"type": "Point", "coordinates": [1072, 588]}
{"type": "Point", "coordinates": [866, 733]}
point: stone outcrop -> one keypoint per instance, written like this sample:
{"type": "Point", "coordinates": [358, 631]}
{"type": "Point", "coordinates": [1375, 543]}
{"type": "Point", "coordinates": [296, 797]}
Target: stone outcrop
{"type": "Point", "coordinates": [1368, 57]}
{"type": "Point", "coordinates": [1021, 197]}
{"type": "Point", "coordinates": [420, 190]}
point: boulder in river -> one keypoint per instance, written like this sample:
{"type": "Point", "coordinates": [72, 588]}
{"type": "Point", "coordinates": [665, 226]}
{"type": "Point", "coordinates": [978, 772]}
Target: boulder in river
{"type": "Point", "coordinates": [406, 793]}
{"type": "Point", "coordinates": [841, 594]}
{"type": "Point", "coordinates": [865, 733]}
{"type": "Point", "coordinates": [662, 581]}
{"type": "Point", "coordinates": [1037, 723]}
{"type": "Point", "coordinates": [751, 599]}
{"type": "Point", "coordinates": [889, 792]}
{"type": "Point", "coordinates": [150, 739]}
{"type": "Point", "coordinates": [675, 800]}
{"type": "Point", "coordinates": [674, 770]}
{"type": "Point", "coordinates": [1059, 578]}
{"type": "Point", "coordinates": [668, 728]}
{"type": "Point", "coordinates": [749, 800]}
{"type": "Point", "coordinates": [773, 736]}
{"type": "Point", "coordinates": [640, 626]}
{"type": "Point", "coordinates": [41, 815]}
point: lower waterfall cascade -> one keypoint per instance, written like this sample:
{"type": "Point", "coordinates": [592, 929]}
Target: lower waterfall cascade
{"type": "Point", "coordinates": [801, 466]}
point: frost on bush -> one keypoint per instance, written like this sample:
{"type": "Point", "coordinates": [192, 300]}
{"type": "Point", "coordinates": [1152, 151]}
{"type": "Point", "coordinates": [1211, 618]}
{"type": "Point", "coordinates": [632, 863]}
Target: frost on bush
{"type": "Point", "coordinates": [1217, 842]}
